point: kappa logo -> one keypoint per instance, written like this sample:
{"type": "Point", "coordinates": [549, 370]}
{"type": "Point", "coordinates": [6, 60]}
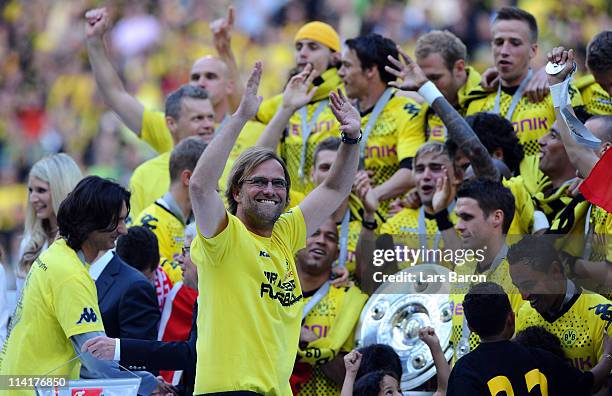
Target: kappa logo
{"type": "Point", "coordinates": [263, 254]}
{"type": "Point", "coordinates": [88, 315]}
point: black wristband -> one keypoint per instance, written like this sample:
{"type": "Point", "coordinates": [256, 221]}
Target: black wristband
{"type": "Point", "coordinates": [350, 140]}
{"type": "Point", "coordinates": [442, 220]}
{"type": "Point", "coordinates": [369, 225]}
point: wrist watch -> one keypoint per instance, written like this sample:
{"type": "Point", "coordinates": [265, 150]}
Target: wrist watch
{"type": "Point", "coordinates": [350, 140]}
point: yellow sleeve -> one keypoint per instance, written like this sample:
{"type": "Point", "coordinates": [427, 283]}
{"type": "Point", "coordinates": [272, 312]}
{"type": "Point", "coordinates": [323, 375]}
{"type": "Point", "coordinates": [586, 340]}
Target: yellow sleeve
{"type": "Point", "coordinates": [155, 131]}
{"type": "Point", "coordinates": [291, 226]}
{"type": "Point", "coordinates": [76, 305]}
{"type": "Point", "coordinates": [267, 109]}
{"type": "Point", "coordinates": [411, 131]}
{"type": "Point", "coordinates": [295, 197]}
{"type": "Point", "coordinates": [211, 251]}
{"type": "Point", "coordinates": [522, 222]}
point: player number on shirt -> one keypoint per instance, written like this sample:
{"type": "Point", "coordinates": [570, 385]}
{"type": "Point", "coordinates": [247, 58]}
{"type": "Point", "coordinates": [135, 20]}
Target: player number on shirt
{"type": "Point", "coordinates": [532, 378]}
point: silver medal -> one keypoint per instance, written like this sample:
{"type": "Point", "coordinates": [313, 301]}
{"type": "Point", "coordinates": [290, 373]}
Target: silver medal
{"type": "Point", "coordinates": [556, 68]}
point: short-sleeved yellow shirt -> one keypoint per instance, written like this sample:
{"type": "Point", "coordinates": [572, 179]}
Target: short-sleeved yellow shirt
{"type": "Point", "coordinates": [59, 301]}
{"type": "Point", "coordinates": [250, 313]}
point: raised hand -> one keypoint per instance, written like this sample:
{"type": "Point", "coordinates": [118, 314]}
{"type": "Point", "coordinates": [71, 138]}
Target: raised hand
{"type": "Point", "coordinates": [560, 56]}
{"type": "Point", "coordinates": [537, 88]}
{"type": "Point", "coordinates": [296, 92]}
{"type": "Point", "coordinates": [408, 71]}
{"type": "Point", "coordinates": [97, 22]}
{"type": "Point", "coordinates": [428, 336]}
{"type": "Point", "coordinates": [250, 101]}
{"type": "Point", "coordinates": [490, 79]}
{"type": "Point", "coordinates": [346, 114]}
{"type": "Point", "coordinates": [222, 31]}
{"type": "Point", "coordinates": [352, 361]}
{"type": "Point", "coordinates": [341, 277]}
{"type": "Point", "coordinates": [444, 194]}
{"type": "Point", "coordinates": [362, 187]}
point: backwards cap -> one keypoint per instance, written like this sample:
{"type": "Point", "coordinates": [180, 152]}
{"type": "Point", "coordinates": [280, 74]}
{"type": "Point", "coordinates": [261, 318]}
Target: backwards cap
{"type": "Point", "coordinates": [321, 33]}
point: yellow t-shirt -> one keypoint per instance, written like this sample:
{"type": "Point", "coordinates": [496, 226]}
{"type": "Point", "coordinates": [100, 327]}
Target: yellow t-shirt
{"type": "Point", "coordinates": [151, 179]}
{"type": "Point", "coordinates": [580, 328]}
{"type": "Point", "coordinates": [59, 301]}
{"type": "Point", "coordinates": [471, 90]}
{"type": "Point", "coordinates": [333, 319]}
{"type": "Point", "coordinates": [249, 317]}
{"type": "Point", "coordinates": [601, 221]}
{"type": "Point", "coordinates": [531, 121]}
{"type": "Point", "coordinates": [596, 99]}
{"type": "Point", "coordinates": [499, 275]}
{"type": "Point", "coordinates": [170, 233]}
{"type": "Point", "coordinates": [412, 228]}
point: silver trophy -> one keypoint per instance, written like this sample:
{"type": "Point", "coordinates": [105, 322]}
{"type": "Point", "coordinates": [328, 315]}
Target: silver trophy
{"type": "Point", "coordinates": [395, 313]}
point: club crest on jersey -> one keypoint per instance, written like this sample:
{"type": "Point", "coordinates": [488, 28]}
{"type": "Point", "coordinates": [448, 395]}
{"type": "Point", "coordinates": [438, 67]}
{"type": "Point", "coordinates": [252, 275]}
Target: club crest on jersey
{"type": "Point", "coordinates": [88, 315]}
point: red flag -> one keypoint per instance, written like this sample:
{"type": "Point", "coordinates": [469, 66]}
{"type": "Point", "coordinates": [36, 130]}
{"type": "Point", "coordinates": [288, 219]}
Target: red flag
{"type": "Point", "coordinates": [597, 187]}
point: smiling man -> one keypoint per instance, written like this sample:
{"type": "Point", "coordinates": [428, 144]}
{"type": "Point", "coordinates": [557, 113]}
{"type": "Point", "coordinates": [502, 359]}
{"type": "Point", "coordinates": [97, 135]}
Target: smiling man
{"type": "Point", "coordinates": [58, 310]}
{"type": "Point", "coordinates": [578, 317]}
{"type": "Point", "coordinates": [249, 317]}
{"type": "Point", "coordinates": [514, 45]}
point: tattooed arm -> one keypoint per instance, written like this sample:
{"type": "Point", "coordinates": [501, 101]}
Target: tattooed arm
{"type": "Point", "coordinates": [459, 131]}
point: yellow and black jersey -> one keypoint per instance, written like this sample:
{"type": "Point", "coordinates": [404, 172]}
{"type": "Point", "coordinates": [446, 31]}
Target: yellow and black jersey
{"type": "Point", "coordinates": [596, 99]}
{"type": "Point", "coordinates": [601, 222]}
{"type": "Point", "coordinates": [580, 327]}
{"type": "Point", "coordinates": [531, 121]}
{"type": "Point", "coordinates": [471, 90]}
{"type": "Point", "coordinates": [333, 319]}
{"type": "Point", "coordinates": [169, 228]}
{"type": "Point", "coordinates": [416, 229]}
{"type": "Point", "coordinates": [325, 125]}
{"type": "Point", "coordinates": [499, 275]}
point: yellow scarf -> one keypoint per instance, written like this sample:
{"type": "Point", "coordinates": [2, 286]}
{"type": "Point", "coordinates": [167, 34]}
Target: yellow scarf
{"type": "Point", "coordinates": [331, 81]}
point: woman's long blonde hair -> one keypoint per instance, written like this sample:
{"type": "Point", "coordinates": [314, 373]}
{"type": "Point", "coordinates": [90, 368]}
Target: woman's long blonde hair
{"type": "Point", "coordinates": [62, 174]}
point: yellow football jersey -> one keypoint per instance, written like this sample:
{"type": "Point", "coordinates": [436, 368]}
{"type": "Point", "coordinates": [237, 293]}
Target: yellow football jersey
{"type": "Point", "coordinates": [59, 301]}
{"type": "Point", "coordinates": [249, 317]}
{"type": "Point", "coordinates": [601, 221]}
{"type": "Point", "coordinates": [580, 327]}
{"type": "Point", "coordinates": [169, 228]}
{"type": "Point", "coordinates": [471, 90]}
{"type": "Point", "coordinates": [596, 99]}
{"type": "Point", "coordinates": [333, 319]}
{"type": "Point", "coordinates": [499, 275]}
{"type": "Point", "coordinates": [531, 121]}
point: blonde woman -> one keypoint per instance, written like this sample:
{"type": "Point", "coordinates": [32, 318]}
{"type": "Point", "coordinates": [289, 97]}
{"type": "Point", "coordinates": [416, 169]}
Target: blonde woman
{"type": "Point", "coordinates": [49, 182]}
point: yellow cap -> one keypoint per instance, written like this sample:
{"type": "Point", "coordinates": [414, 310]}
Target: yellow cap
{"type": "Point", "coordinates": [321, 33]}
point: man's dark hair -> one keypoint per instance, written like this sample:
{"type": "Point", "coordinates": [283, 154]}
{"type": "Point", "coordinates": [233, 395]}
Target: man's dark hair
{"type": "Point", "coordinates": [94, 205]}
{"type": "Point", "coordinates": [491, 196]}
{"type": "Point", "coordinates": [369, 384]}
{"type": "Point", "coordinates": [372, 50]}
{"type": "Point", "coordinates": [517, 14]}
{"type": "Point", "coordinates": [185, 156]}
{"type": "Point", "coordinates": [539, 337]}
{"type": "Point", "coordinates": [599, 53]}
{"type": "Point", "coordinates": [496, 132]}
{"type": "Point", "coordinates": [139, 248]}
{"type": "Point", "coordinates": [330, 143]}
{"type": "Point", "coordinates": [536, 251]}
{"type": "Point", "coordinates": [486, 307]}
{"type": "Point", "coordinates": [174, 101]}
{"type": "Point", "coordinates": [379, 357]}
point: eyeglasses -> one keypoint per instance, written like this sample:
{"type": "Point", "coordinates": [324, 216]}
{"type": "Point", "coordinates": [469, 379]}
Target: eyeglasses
{"type": "Point", "coordinates": [262, 182]}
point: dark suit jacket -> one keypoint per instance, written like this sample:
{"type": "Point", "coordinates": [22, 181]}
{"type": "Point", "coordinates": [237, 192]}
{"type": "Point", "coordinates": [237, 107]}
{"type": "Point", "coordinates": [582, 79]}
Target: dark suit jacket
{"type": "Point", "coordinates": [160, 355]}
{"type": "Point", "coordinates": [128, 302]}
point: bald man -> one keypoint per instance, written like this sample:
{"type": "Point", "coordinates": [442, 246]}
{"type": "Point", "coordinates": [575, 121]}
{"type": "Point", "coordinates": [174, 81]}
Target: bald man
{"type": "Point", "coordinates": [151, 179]}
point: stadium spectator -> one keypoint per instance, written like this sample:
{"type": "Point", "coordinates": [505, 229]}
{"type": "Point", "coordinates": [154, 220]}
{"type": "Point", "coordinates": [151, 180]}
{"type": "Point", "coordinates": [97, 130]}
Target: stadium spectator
{"type": "Point", "coordinates": [138, 248]}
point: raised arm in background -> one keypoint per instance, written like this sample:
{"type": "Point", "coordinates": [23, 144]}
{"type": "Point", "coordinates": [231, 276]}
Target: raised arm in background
{"type": "Point", "coordinates": [208, 207]}
{"type": "Point", "coordinates": [127, 107]}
